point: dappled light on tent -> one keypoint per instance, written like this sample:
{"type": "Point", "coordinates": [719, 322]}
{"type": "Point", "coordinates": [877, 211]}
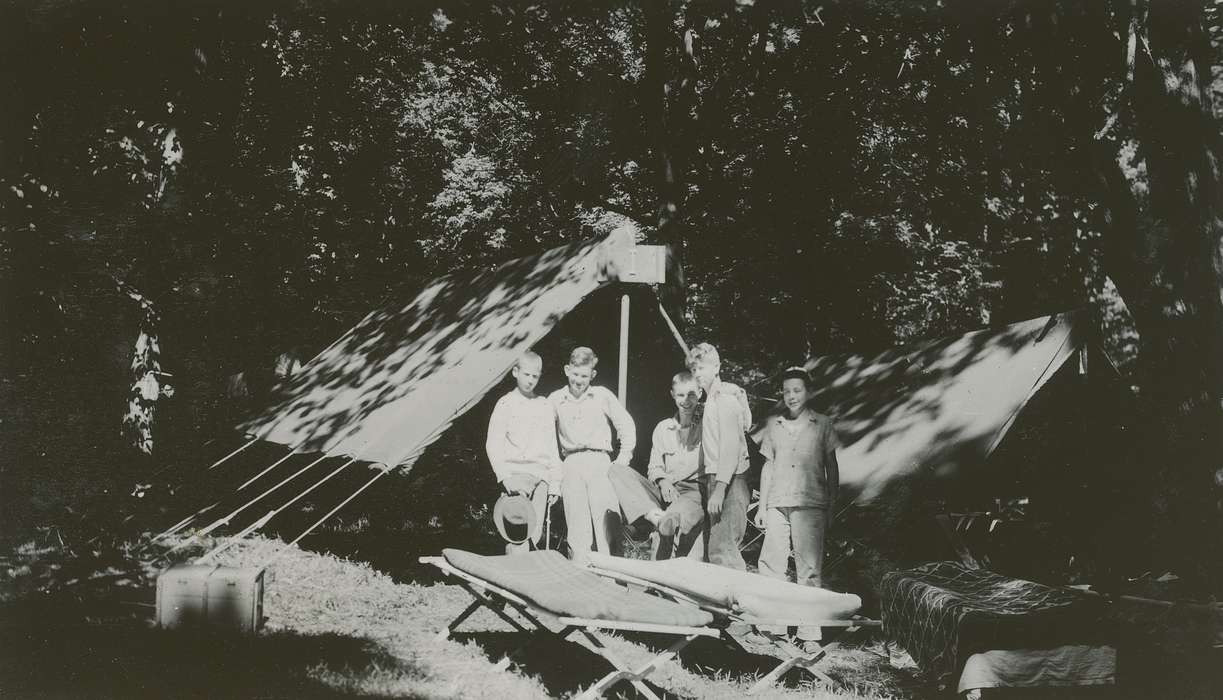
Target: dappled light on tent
{"type": "Point", "coordinates": [391, 385]}
{"type": "Point", "coordinates": [939, 407]}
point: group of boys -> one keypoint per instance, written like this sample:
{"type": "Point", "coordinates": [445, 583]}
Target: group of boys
{"type": "Point", "coordinates": [694, 492]}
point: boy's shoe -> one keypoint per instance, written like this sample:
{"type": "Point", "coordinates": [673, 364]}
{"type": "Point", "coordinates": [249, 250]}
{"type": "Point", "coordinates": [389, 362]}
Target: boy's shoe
{"type": "Point", "coordinates": [639, 531]}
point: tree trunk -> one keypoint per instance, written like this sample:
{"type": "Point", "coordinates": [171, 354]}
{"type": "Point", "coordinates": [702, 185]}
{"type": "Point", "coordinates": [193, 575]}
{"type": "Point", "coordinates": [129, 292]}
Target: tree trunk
{"type": "Point", "coordinates": [1167, 260]}
{"type": "Point", "coordinates": [659, 38]}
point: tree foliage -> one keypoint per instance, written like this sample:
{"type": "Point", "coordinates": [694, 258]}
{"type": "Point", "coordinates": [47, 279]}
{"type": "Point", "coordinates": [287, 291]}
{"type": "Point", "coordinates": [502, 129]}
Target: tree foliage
{"type": "Point", "coordinates": [839, 176]}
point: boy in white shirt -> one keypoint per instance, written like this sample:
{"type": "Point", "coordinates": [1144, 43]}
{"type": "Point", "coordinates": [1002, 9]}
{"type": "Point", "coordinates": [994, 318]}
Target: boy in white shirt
{"type": "Point", "coordinates": [585, 417]}
{"type": "Point", "coordinates": [521, 444]}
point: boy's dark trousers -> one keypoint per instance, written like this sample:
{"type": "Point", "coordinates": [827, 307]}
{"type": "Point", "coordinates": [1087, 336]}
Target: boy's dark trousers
{"type": "Point", "coordinates": [723, 535]}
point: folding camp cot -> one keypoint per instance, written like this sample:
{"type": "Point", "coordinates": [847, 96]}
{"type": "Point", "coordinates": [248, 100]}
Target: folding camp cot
{"type": "Point", "coordinates": [732, 616]}
{"type": "Point", "coordinates": [535, 586]}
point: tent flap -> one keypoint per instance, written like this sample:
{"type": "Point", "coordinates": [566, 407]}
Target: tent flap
{"type": "Point", "coordinates": [940, 406]}
{"type": "Point", "coordinates": [392, 385]}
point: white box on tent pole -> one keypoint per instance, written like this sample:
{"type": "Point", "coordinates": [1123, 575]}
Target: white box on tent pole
{"type": "Point", "coordinates": [642, 264]}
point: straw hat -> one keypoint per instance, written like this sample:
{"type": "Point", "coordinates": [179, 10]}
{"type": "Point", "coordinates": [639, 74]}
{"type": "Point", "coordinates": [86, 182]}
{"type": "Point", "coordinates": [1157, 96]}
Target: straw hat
{"type": "Point", "coordinates": [514, 517]}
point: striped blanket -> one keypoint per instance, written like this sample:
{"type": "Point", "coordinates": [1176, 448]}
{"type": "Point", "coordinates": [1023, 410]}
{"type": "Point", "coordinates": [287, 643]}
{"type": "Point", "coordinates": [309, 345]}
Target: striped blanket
{"type": "Point", "coordinates": [942, 613]}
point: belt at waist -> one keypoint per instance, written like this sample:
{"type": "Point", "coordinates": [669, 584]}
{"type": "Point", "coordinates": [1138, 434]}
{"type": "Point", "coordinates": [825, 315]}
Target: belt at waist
{"type": "Point", "coordinates": [587, 449]}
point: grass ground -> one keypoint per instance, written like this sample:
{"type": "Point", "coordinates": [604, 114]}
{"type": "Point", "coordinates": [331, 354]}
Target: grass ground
{"type": "Point", "coordinates": [338, 628]}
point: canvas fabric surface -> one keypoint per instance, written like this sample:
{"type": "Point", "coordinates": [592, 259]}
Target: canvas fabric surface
{"type": "Point", "coordinates": [392, 384]}
{"type": "Point", "coordinates": [936, 407]}
{"type": "Point", "coordinates": [551, 582]}
{"type": "Point", "coordinates": [750, 595]}
{"type": "Point", "coordinates": [1064, 666]}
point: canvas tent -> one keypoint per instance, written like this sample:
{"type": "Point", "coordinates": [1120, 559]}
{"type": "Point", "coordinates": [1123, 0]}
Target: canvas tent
{"type": "Point", "coordinates": [940, 407]}
{"type": "Point", "coordinates": [392, 385]}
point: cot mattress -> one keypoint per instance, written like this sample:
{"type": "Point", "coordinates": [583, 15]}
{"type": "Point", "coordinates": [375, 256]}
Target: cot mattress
{"type": "Point", "coordinates": [549, 581]}
{"type": "Point", "coordinates": [751, 595]}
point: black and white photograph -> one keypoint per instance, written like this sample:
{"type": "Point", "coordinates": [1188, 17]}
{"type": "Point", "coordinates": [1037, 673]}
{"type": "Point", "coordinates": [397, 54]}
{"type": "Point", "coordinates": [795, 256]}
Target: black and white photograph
{"type": "Point", "coordinates": [663, 349]}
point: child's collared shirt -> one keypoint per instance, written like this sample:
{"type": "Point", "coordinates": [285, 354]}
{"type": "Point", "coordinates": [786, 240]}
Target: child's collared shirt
{"type": "Point", "coordinates": [675, 451]}
{"type": "Point", "coordinates": [585, 422]}
{"type": "Point", "coordinates": [522, 438]}
{"type": "Point", "coordinates": [801, 454]}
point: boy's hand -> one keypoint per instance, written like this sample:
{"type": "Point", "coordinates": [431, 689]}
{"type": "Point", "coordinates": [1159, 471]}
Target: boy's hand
{"type": "Point", "coordinates": [520, 483]}
{"type": "Point", "coordinates": [715, 501]}
{"type": "Point", "coordinates": [758, 521]}
{"type": "Point", "coordinates": [669, 492]}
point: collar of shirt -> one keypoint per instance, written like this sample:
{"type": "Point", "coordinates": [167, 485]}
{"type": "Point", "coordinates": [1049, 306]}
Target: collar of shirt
{"type": "Point", "coordinates": [806, 413]}
{"type": "Point", "coordinates": [517, 397]}
{"type": "Point", "coordinates": [673, 423]}
{"type": "Point", "coordinates": [567, 395]}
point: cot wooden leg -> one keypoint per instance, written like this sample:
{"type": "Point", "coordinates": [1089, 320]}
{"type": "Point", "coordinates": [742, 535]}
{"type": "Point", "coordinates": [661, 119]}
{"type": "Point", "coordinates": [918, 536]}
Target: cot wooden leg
{"type": "Point", "coordinates": [623, 672]}
{"type": "Point", "coordinates": [732, 641]}
{"type": "Point", "coordinates": [481, 599]}
{"type": "Point", "coordinates": [805, 661]}
{"type": "Point", "coordinates": [475, 605]}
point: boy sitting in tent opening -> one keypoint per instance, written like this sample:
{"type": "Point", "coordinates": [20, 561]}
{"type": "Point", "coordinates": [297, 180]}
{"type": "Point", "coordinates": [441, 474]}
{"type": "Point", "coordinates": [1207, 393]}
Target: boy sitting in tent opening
{"type": "Point", "coordinates": [669, 495]}
{"type": "Point", "coordinates": [585, 415]}
{"type": "Point", "coordinates": [521, 446]}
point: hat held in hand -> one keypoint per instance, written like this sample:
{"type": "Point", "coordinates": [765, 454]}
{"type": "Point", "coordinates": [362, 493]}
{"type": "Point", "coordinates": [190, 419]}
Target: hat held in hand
{"type": "Point", "coordinates": [514, 516]}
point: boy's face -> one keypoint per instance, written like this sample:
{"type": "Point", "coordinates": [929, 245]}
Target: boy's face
{"type": "Point", "coordinates": [794, 394]}
{"type": "Point", "coordinates": [705, 372]}
{"type": "Point", "coordinates": [526, 373]}
{"type": "Point", "coordinates": [579, 377]}
{"type": "Point", "coordinates": [686, 395]}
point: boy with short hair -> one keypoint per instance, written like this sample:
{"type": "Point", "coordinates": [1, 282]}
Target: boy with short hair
{"type": "Point", "coordinates": [669, 495]}
{"type": "Point", "coordinates": [585, 415]}
{"type": "Point", "coordinates": [725, 419]}
{"type": "Point", "coordinates": [798, 485]}
{"type": "Point", "coordinates": [521, 444]}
